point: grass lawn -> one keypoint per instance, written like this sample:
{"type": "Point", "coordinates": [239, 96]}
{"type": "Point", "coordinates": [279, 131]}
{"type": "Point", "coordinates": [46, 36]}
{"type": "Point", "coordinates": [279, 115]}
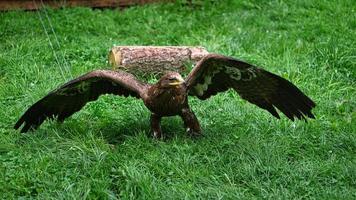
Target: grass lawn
{"type": "Point", "coordinates": [104, 150]}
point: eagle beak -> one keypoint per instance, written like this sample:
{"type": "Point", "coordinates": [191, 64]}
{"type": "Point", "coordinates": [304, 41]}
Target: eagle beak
{"type": "Point", "coordinates": [177, 81]}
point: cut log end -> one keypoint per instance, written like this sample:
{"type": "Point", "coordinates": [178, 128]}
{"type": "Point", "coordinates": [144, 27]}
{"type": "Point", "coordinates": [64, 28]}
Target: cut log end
{"type": "Point", "coordinates": [115, 58]}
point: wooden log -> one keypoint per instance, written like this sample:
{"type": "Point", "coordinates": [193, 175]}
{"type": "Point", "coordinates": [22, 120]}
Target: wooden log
{"type": "Point", "coordinates": [38, 4]}
{"type": "Point", "coordinates": [155, 58]}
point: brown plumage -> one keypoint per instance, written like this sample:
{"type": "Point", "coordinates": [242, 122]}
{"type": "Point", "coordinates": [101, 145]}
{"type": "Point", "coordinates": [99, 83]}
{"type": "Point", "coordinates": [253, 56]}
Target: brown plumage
{"type": "Point", "coordinates": [169, 96]}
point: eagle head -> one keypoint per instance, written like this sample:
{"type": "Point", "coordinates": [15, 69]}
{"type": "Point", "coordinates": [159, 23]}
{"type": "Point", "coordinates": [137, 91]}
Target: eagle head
{"type": "Point", "coordinates": [171, 79]}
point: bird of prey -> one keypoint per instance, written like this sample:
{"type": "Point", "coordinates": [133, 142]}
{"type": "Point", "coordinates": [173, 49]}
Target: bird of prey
{"type": "Point", "coordinates": [169, 96]}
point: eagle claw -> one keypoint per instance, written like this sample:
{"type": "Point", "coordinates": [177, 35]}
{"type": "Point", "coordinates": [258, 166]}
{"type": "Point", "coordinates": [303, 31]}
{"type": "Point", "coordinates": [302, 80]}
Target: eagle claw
{"type": "Point", "coordinates": [157, 135]}
{"type": "Point", "coordinates": [194, 134]}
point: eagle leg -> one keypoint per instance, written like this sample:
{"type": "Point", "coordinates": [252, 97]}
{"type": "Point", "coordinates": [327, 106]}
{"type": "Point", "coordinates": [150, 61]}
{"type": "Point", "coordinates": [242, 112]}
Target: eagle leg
{"type": "Point", "coordinates": [191, 122]}
{"type": "Point", "coordinates": [156, 126]}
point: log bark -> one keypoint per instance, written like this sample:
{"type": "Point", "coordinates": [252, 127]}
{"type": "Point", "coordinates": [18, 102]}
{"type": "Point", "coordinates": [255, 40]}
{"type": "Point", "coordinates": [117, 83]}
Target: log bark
{"type": "Point", "coordinates": [37, 4]}
{"type": "Point", "coordinates": [155, 58]}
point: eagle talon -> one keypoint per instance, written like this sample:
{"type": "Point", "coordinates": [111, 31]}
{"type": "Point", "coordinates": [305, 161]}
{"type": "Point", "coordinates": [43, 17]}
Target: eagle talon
{"type": "Point", "coordinates": [158, 135]}
{"type": "Point", "coordinates": [194, 134]}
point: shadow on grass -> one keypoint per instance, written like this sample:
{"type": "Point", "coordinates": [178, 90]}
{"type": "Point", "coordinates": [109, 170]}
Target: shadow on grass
{"type": "Point", "coordinates": [115, 132]}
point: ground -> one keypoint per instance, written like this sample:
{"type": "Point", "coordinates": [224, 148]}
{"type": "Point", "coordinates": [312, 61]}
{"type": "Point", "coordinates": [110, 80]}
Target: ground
{"type": "Point", "coordinates": [104, 151]}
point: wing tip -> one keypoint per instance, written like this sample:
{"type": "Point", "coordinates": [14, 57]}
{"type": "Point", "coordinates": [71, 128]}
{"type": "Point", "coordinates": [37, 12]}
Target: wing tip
{"type": "Point", "coordinates": [18, 124]}
{"type": "Point", "coordinates": [27, 119]}
{"type": "Point", "coordinates": [21, 122]}
{"type": "Point", "coordinates": [292, 101]}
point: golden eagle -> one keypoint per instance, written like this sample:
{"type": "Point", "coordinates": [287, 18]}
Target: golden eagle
{"type": "Point", "coordinates": [169, 96]}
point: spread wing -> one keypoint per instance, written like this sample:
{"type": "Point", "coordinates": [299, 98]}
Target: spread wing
{"type": "Point", "coordinates": [217, 73]}
{"type": "Point", "coordinates": [73, 95]}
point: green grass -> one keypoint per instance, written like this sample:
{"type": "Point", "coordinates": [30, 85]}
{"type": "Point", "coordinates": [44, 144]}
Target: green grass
{"type": "Point", "coordinates": [104, 150]}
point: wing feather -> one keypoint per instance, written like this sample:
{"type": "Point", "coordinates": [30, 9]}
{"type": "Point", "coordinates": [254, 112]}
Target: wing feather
{"type": "Point", "coordinates": [260, 87]}
{"type": "Point", "coordinates": [73, 95]}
